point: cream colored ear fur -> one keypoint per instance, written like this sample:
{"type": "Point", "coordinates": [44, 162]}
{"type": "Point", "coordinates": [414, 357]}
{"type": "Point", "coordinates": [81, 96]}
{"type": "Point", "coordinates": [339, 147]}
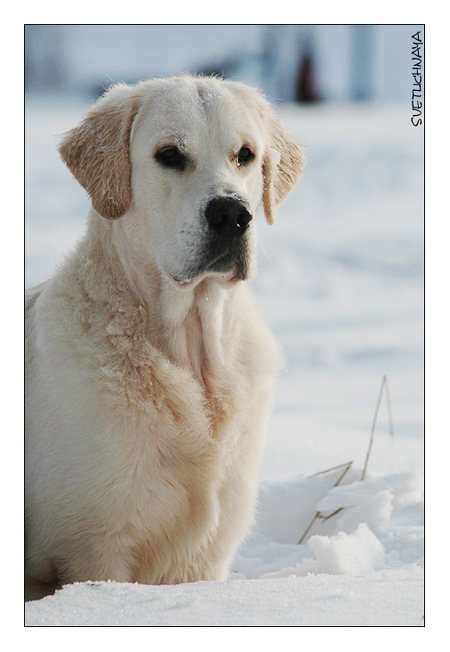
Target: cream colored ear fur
{"type": "Point", "coordinates": [281, 168]}
{"type": "Point", "coordinates": [97, 152]}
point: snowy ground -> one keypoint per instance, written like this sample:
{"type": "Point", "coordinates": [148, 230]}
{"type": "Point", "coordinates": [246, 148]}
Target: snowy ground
{"type": "Point", "coordinates": [341, 285]}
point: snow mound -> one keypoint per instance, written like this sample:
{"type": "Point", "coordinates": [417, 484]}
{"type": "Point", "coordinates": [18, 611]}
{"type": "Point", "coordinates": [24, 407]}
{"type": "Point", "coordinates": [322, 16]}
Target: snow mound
{"type": "Point", "coordinates": [352, 528]}
{"type": "Point", "coordinates": [356, 553]}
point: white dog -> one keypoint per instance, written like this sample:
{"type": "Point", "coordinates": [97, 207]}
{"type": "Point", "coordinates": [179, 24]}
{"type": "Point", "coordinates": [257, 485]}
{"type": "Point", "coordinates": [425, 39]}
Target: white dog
{"type": "Point", "coordinates": [149, 371]}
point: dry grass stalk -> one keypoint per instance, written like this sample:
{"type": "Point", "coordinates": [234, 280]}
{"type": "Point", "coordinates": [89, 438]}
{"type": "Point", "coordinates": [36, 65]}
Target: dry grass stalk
{"type": "Point", "coordinates": [346, 468]}
{"type": "Point", "coordinates": [384, 386]}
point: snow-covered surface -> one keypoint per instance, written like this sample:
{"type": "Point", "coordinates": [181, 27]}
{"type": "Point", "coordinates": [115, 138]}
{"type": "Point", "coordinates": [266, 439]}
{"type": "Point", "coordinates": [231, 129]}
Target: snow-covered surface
{"type": "Point", "coordinates": [383, 598]}
{"type": "Point", "coordinates": [340, 282]}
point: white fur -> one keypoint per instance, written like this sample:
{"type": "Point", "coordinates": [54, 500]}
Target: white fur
{"type": "Point", "coordinates": [147, 397]}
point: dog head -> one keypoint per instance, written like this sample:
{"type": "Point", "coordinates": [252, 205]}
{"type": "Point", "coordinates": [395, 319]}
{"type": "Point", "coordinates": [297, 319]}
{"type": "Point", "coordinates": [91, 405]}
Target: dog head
{"type": "Point", "coordinates": [185, 163]}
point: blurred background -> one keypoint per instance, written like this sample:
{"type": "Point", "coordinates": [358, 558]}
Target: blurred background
{"type": "Point", "coordinates": [341, 273]}
{"type": "Point", "coordinates": [303, 63]}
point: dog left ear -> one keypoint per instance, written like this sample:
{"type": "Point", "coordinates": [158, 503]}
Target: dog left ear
{"type": "Point", "coordinates": [97, 152]}
{"type": "Point", "coordinates": [282, 166]}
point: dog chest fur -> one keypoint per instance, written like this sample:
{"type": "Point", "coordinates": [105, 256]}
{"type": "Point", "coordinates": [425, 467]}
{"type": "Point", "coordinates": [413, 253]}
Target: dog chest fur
{"type": "Point", "coordinates": [173, 448]}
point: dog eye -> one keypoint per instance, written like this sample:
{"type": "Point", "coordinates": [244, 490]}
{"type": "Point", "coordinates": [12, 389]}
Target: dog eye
{"type": "Point", "coordinates": [171, 157]}
{"type": "Point", "coordinates": [245, 156]}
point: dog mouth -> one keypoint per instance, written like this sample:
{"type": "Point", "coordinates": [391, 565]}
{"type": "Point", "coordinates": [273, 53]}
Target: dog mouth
{"type": "Point", "coordinates": [235, 258]}
{"type": "Point", "coordinates": [230, 263]}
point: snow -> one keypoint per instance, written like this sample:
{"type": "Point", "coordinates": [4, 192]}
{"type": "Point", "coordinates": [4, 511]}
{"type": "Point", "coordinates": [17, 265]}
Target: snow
{"type": "Point", "coordinates": [385, 598]}
{"type": "Point", "coordinates": [341, 285]}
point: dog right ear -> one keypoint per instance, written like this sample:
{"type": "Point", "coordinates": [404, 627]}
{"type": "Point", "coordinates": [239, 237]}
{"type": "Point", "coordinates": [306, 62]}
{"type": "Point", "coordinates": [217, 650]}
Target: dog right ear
{"type": "Point", "coordinates": [97, 152]}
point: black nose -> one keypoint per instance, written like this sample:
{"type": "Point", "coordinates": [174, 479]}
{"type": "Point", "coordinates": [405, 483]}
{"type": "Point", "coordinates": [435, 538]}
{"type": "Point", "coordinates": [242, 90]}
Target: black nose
{"type": "Point", "coordinates": [227, 216]}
